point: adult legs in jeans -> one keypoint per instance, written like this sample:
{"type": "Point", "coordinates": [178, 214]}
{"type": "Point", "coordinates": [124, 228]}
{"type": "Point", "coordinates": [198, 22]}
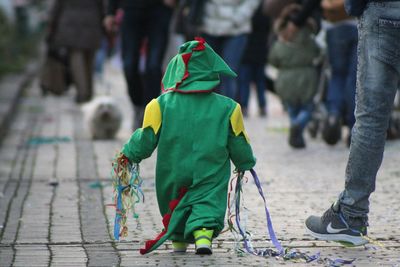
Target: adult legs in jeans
{"type": "Point", "coordinates": [131, 41]}
{"type": "Point", "coordinates": [154, 25]}
{"type": "Point", "coordinates": [158, 33]}
{"type": "Point", "coordinates": [259, 79]}
{"type": "Point", "coordinates": [342, 52]}
{"type": "Point", "coordinates": [378, 78]}
{"type": "Point", "coordinates": [252, 73]}
{"type": "Point", "coordinates": [230, 48]}
{"type": "Point", "coordinates": [244, 80]}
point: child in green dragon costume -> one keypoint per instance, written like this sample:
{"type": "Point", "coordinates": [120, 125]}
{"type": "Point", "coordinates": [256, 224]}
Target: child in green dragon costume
{"type": "Point", "coordinates": [198, 133]}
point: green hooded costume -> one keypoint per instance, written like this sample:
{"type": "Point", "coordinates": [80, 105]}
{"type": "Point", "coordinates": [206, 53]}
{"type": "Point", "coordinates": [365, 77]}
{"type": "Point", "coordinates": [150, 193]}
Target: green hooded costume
{"type": "Point", "coordinates": [198, 133]}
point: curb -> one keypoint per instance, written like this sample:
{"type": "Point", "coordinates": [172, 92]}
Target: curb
{"type": "Point", "coordinates": [11, 87]}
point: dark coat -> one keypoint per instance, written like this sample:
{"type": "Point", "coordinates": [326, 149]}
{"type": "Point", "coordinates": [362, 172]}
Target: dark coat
{"type": "Point", "coordinates": [257, 45]}
{"type": "Point", "coordinates": [113, 5]}
{"type": "Point", "coordinates": [77, 23]}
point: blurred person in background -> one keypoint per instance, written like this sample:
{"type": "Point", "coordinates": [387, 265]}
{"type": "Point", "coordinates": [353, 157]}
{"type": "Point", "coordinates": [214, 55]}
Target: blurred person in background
{"type": "Point", "coordinates": [77, 26]}
{"type": "Point", "coordinates": [110, 46]}
{"type": "Point", "coordinates": [253, 62]}
{"type": "Point", "coordinates": [225, 26]}
{"type": "Point", "coordinates": [145, 27]}
{"type": "Point", "coordinates": [297, 79]}
{"type": "Point", "coordinates": [189, 15]}
{"type": "Point", "coordinates": [341, 39]}
{"type": "Point", "coordinates": [21, 16]}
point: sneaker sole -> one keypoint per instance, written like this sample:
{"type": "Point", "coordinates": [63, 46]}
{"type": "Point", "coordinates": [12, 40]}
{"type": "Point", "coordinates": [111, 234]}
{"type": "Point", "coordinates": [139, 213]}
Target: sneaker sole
{"type": "Point", "coordinates": [179, 250]}
{"type": "Point", "coordinates": [355, 240]}
{"type": "Point", "coordinates": [206, 250]}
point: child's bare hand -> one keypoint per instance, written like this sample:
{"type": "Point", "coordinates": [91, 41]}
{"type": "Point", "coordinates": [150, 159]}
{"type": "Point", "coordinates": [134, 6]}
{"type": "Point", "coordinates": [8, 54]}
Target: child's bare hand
{"type": "Point", "coordinates": [122, 160]}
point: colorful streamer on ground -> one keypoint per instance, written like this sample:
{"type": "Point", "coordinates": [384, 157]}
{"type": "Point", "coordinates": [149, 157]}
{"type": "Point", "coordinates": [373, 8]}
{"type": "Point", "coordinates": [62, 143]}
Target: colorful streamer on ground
{"type": "Point", "coordinates": [242, 234]}
{"type": "Point", "coordinates": [127, 192]}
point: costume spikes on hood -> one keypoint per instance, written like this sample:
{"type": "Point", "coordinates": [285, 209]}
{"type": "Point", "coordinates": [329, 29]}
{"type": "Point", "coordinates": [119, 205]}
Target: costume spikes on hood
{"type": "Point", "coordinates": [195, 69]}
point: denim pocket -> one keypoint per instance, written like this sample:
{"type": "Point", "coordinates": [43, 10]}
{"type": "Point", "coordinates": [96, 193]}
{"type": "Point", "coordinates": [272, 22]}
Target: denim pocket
{"type": "Point", "coordinates": [389, 40]}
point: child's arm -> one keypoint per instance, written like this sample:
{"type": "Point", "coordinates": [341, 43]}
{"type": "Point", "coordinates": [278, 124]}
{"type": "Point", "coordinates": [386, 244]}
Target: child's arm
{"type": "Point", "coordinates": [239, 147]}
{"type": "Point", "coordinates": [144, 140]}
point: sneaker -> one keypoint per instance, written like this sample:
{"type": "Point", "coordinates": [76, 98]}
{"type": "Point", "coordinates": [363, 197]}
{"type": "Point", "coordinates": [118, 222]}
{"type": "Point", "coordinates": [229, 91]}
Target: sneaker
{"type": "Point", "coordinates": [203, 240]}
{"type": "Point", "coordinates": [333, 227]}
{"type": "Point", "coordinates": [179, 246]}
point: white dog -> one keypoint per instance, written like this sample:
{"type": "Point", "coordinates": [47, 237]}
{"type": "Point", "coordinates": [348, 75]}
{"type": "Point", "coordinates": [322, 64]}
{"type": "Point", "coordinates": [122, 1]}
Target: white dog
{"type": "Point", "coordinates": [103, 117]}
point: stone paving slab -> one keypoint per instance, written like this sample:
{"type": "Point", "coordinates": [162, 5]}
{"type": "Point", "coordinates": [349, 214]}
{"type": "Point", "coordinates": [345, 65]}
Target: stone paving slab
{"type": "Point", "coordinates": [53, 195]}
{"type": "Point", "coordinates": [11, 87]}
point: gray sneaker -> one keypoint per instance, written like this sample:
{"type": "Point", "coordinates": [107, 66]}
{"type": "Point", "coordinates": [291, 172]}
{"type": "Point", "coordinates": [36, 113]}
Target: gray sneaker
{"type": "Point", "coordinates": [333, 227]}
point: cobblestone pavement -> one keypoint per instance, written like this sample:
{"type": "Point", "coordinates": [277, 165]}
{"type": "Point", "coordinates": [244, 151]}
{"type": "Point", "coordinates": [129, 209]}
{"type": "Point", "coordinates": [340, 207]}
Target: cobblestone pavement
{"type": "Point", "coordinates": [54, 191]}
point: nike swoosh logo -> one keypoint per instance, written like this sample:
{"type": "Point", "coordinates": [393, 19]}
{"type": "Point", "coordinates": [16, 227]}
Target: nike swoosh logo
{"type": "Point", "coordinates": [331, 230]}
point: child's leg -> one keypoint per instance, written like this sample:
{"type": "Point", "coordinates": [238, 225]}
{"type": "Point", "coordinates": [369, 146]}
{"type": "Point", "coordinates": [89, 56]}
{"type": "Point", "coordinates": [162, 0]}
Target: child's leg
{"type": "Point", "coordinates": [203, 240]}
{"type": "Point", "coordinates": [179, 246]}
{"type": "Point", "coordinates": [304, 115]}
{"type": "Point", "coordinates": [293, 113]}
{"type": "Point", "coordinates": [296, 139]}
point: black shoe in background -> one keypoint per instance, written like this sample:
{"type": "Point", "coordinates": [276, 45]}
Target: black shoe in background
{"type": "Point", "coordinates": [332, 130]}
{"type": "Point", "coordinates": [296, 139]}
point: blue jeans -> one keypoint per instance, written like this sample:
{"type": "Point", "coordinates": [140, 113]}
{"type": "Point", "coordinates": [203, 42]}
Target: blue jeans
{"type": "Point", "coordinates": [230, 48]}
{"type": "Point", "coordinates": [342, 52]}
{"type": "Point", "coordinates": [378, 78]}
{"type": "Point", "coordinates": [300, 115]}
{"type": "Point", "coordinates": [138, 25]}
{"type": "Point", "coordinates": [251, 73]}
{"type": "Point", "coordinates": [100, 57]}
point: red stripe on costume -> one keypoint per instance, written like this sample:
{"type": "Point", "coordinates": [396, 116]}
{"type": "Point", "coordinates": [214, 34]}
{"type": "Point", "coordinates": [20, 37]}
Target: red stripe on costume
{"type": "Point", "coordinates": [166, 220]}
{"type": "Point", "coordinates": [185, 58]}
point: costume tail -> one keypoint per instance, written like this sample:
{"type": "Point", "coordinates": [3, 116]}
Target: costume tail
{"type": "Point", "coordinates": [169, 227]}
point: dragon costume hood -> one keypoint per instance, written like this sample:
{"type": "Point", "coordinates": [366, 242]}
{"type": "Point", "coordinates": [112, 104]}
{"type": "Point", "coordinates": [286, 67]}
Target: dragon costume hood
{"type": "Point", "coordinates": [195, 69]}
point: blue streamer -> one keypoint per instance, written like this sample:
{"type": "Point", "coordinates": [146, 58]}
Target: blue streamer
{"type": "Point", "coordinates": [135, 190]}
{"type": "Point", "coordinates": [237, 218]}
{"type": "Point", "coordinates": [283, 253]}
{"type": "Point", "coordinates": [118, 217]}
{"type": "Point", "coordinates": [271, 231]}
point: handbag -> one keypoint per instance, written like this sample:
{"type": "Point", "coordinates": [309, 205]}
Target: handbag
{"type": "Point", "coordinates": [333, 10]}
{"type": "Point", "coordinates": [54, 76]}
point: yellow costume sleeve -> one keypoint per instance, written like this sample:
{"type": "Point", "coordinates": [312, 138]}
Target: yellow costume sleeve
{"type": "Point", "coordinates": [152, 116]}
{"type": "Point", "coordinates": [237, 122]}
